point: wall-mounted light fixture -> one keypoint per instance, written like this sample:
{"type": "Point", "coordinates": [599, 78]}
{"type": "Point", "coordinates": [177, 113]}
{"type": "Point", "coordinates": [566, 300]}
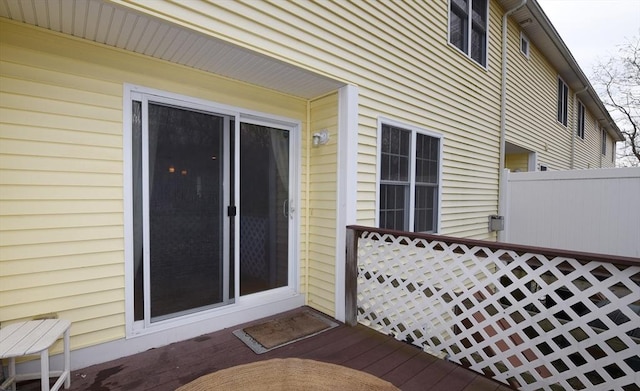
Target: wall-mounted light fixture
{"type": "Point", "coordinates": [321, 137]}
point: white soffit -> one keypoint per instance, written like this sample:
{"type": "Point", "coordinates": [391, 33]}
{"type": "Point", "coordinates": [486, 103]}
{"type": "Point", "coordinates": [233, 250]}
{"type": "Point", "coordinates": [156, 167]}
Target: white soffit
{"type": "Point", "coordinates": [102, 22]}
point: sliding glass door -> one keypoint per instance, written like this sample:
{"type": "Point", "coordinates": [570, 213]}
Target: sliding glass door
{"type": "Point", "coordinates": [181, 247]}
{"type": "Point", "coordinates": [265, 208]}
{"type": "Point", "coordinates": [211, 194]}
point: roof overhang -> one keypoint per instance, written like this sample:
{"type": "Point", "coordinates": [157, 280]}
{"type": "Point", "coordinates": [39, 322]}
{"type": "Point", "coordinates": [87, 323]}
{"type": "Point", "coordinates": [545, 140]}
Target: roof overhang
{"type": "Point", "coordinates": [117, 26]}
{"type": "Point", "coordinates": [110, 24]}
{"type": "Point", "coordinates": [538, 28]}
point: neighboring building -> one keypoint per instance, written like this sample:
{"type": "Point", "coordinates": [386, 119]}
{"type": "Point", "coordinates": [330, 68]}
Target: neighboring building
{"type": "Point", "coordinates": [173, 168]}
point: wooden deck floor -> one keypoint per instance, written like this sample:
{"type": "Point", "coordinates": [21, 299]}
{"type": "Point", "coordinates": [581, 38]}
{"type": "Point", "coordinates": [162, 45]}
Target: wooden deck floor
{"type": "Point", "coordinates": [166, 368]}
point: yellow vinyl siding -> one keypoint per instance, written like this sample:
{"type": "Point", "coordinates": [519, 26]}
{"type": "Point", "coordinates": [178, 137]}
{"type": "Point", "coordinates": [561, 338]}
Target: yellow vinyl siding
{"type": "Point", "coordinates": [61, 171]}
{"type": "Point", "coordinates": [61, 111]}
{"type": "Point", "coordinates": [61, 241]}
{"type": "Point", "coordinates": [609, 159]}
{"type": "Point", "coordinates": [588, 152]}
{"type": "Point", "coordinates": [532, 105]}
{"type": "Point", "coordinates": [532, 112]}
{"type": "Point", "coordinates": [585, 149]}
{"type": "Point", "coordinates": [399, 56]}
{"type": "Point", "coordinates": [322, 205]}
{"type": "Point", "coordinates": [38, 286]}
{"type": "Point", "coordinates": [51, 264]}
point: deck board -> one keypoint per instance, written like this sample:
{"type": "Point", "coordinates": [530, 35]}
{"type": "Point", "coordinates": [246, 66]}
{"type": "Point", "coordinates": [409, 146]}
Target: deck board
{"type": "Point", "coordinates": [168, 367]}
{"type": "Point", "coordinates": [409, 369]}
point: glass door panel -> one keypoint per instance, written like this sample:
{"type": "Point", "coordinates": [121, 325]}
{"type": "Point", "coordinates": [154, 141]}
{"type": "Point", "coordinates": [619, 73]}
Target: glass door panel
{"type": "Point", "coordinates": [264, 208]}
{"type": "Point", "coordinates": [186, 167]}
{"type": "Point", "coordinates": [185, 210]}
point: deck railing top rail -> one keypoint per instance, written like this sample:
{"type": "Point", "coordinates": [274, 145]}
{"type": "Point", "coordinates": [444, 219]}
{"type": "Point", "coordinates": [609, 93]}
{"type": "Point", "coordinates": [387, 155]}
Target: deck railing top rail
{"type": "Point", "coordinates": [519, 248]}
{"type": "Point", "coordinates": [533, 318]}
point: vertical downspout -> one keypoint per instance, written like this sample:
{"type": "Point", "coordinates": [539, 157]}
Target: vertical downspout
{"type": "Point", "coordinates": [574, 133]}
{"type": "Point", "coordinates": [503, 115]}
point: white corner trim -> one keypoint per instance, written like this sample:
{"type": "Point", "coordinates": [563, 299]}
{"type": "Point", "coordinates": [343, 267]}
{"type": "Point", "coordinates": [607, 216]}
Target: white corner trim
{"type": "Point", "coordinates": [346, 192]}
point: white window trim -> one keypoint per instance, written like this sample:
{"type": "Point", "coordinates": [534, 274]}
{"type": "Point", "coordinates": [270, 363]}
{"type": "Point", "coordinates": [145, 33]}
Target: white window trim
{"type": "Point", "coordinates": [486, 38]}
{"type": "Point", "coordinates": [242, 308]}
{"type": "Point", "coordinates": [525, 39]}
{"type": "Point", "coordinates": [414, 130]}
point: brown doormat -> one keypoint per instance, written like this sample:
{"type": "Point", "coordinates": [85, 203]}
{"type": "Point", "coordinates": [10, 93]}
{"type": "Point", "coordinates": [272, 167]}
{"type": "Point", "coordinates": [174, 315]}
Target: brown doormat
{"type": "Point", "coordinates": [290, 374]}
{"type": "Point", "coordinates": [282, 331]}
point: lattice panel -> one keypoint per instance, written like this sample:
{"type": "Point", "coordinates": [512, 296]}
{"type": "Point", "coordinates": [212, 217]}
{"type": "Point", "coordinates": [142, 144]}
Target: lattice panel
{"type": "Point", "coordinates": [253, 246]}
{"type": "Point", "coordinates": [524, 319]}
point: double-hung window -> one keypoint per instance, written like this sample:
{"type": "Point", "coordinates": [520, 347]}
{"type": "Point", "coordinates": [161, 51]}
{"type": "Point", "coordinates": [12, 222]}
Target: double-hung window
{"type": "Point", "coordinates": [563, 102]}
{"type": "Point", "coordinates": [468, 28]}
{"type": "Point", "coordinates": [580, 129]}
{"type": "Point", "coordinates": [409, 170]}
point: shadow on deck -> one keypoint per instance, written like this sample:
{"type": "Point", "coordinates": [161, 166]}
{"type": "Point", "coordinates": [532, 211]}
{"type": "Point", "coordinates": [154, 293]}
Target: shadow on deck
{"type": "Point", "coordinates": [169, 367]}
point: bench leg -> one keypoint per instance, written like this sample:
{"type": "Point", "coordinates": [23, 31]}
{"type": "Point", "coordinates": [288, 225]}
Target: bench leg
{"type": "Point", "coordinates": [67, 359]}
{"type": "Point", "coordinates": [44, 370]}
{"type": "Point", "coordinates": [12, 372]}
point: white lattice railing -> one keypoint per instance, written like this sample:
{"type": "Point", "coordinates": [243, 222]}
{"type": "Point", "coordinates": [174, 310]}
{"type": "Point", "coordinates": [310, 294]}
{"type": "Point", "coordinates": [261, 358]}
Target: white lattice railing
{"type": "Point", "coordinates": [528, 317]}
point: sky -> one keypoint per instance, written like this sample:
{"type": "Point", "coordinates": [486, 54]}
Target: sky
{"type": "Point", "coordinates": [593, 29]}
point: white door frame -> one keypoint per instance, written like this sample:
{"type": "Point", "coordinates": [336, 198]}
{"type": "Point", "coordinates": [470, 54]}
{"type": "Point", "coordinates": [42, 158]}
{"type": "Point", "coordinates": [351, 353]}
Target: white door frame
{"type": "Point", "coordinates": [244, 308]}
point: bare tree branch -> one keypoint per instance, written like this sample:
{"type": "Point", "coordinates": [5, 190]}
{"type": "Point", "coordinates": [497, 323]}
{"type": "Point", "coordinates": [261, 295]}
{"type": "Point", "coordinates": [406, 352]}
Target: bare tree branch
{"type": "Point", "coordinates": [618, 84]}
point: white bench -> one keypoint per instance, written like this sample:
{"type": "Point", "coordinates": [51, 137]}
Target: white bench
{"type": "Point", "coordinates": [33, 337]}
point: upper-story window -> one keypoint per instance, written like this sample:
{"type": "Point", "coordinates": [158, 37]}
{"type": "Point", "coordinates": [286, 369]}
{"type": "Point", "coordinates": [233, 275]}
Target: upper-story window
{"type": "Point", "coordinates": [468, 28]}
{"type": "Point", "coordinates": [603, 141]}
{"type": "Point", "coordinates": [409, 182]}
{"type": "Point", "coordinates": [580, 127]}
{"type": "Point", "coordinates": [563, 102]}
{"type": "Point", "coordinates": [524, 45]}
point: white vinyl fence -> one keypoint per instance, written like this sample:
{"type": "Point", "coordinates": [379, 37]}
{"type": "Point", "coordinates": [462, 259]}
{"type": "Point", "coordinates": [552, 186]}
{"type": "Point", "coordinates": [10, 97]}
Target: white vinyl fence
{"type": "Point", "coordinates": [581, 210]}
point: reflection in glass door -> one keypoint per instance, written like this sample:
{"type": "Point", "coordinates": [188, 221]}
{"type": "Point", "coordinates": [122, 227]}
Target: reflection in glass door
{"type": "Point", "coordinates": [180, 223]}
{"type": "Point", "coordinates": [264, 208]}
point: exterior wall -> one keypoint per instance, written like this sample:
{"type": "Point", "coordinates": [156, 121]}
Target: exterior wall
{"type": "Point", "coordinates": [532, 104]}
{"type": "Point", "coordinates": [62, 113]}
{"type": "Point", "coordinates": [588, 150]}
{"type": "Point", "coordinates": [381, 47]}
{"type": "Point", "coordinates": [609, 159]}
{"type": "Point", "coordinates": [61, 162]}
{"type": "Point", "coordinates": [322, 188]}
{"type": "Point", "coordinates": [517, 162]}
{"type": "Point", "coordinates": [580, 210]}
{"type": "Point", "coordinates": [532, 113]}
{"type": "Point", "coordinates": [591, 142]}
